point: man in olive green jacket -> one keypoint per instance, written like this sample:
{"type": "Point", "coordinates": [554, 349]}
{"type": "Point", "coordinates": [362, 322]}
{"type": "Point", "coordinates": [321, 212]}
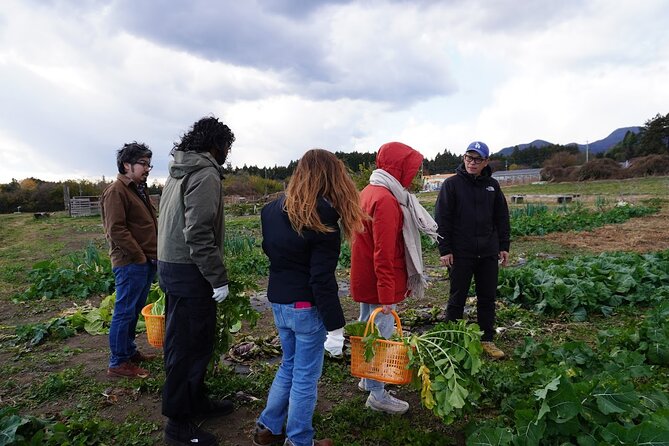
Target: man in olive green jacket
{"type": "Point", "coordinates": [192, 273]}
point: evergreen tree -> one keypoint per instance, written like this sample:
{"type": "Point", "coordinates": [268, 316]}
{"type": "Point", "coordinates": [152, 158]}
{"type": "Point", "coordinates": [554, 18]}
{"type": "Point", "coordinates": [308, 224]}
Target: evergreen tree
{"type": "Point", "coordinates": [654, 136]}
{"type": "Point", "coordinates": [653, 139]}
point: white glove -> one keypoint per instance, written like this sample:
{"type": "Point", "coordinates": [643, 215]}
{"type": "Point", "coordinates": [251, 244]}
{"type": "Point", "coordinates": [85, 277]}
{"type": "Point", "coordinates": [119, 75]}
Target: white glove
{"type": "Point", "coordinates": [334, 342]}
{"type": "Point", "coordinates": [221, 293]}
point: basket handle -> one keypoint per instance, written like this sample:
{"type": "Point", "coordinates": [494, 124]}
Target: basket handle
{"type": "Point", "coordinates": [368, 327]}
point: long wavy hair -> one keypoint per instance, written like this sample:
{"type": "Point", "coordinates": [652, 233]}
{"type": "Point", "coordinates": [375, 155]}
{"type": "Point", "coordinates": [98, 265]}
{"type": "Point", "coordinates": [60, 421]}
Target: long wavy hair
{"type": "Point", "coordinates": [321, 174]}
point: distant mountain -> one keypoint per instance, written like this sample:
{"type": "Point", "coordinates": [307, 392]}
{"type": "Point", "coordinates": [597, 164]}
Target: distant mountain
{"type": "Point", "coordinates": [594, 147]}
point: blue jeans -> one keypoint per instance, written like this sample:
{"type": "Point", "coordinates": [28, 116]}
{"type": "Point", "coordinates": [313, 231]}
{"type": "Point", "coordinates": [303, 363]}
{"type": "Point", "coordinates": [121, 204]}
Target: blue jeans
{"type": "Point", "coordinates": [133, 282]}
{"type": "Point", "coordinates": [385, 323]}
{"type": "Point", "coordinates": [292, 397]}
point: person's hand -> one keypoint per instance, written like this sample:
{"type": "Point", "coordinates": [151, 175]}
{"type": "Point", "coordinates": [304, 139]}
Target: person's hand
{"type": "Point", "coordinates": [221, 293]}
{"type": "Point", "coordinates": [447, 260]}
{"type": "Point", "coordinates": [504, 257]}
{"type": "Point", "coordinates": [386, 309]}
{"type": "Point", "coordinates": [334, 342]}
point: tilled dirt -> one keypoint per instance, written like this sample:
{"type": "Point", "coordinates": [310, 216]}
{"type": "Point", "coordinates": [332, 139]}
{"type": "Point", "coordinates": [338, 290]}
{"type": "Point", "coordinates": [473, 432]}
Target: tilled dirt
{"type": "Point", "coordinates": [646, 234]}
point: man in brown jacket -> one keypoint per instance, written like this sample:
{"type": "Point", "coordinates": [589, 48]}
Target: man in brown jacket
{"type": "Point", "coordinates": [131, 228]}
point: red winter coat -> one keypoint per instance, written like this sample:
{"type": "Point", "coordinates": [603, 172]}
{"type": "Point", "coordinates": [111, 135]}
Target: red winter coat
{"type": "Point", "coordinates": [378, 266]}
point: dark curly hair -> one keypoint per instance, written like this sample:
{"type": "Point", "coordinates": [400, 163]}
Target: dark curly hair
{"type": "Point", "coordinates": [206, 134]}
{"type": "Point", "coordinates": [131, 153]}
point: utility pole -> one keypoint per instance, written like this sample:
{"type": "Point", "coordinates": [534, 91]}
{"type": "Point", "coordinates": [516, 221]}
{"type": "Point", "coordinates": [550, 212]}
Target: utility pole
{"type": "Point", "coordinates": [587, 149]}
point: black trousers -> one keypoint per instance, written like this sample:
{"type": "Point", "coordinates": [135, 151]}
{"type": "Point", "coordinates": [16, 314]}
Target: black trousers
{"type": "Point", "coordinates": [190, 330]}
{"type": "Point", "coordinates": [484, 271]}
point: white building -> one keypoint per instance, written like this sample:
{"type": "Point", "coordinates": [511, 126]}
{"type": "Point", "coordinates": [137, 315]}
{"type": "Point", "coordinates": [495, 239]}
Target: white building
{"type": "Point", "coordinates": [520, 176]}
{"type": "Point", "coordinates": [433, 182]}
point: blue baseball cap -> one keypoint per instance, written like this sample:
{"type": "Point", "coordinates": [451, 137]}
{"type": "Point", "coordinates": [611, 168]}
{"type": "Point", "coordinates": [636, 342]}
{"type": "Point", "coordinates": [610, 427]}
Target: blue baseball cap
{"type": "Point", "coordinates": [479, 147]}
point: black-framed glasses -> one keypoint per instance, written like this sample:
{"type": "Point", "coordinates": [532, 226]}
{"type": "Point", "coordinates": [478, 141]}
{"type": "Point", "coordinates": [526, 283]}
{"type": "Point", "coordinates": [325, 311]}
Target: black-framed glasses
{"type": "Point", "coordinates": [145, 164]}
{"type": "Point", "coordinates": [474, 159]}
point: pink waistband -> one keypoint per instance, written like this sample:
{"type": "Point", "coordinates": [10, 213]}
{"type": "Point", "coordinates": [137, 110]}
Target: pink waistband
{"type": "Point", "coordinates": [303, 304]}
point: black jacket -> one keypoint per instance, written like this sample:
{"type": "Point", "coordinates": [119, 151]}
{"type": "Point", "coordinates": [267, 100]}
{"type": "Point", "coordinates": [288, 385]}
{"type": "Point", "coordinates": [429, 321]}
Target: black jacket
{"type": "Point", "coordinates": [472, 215]}
{"type": "Point", "coordinates": [302, 268]}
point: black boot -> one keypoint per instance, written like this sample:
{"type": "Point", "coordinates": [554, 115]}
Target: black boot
{"type": "Point", "coordinates": [215, 408]}
{"type": "Point", "coordinates": [182, 433]}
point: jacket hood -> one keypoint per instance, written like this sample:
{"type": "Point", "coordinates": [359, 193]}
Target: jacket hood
{"type": "Point", "coordinates": [399, 160]}
{"type": "Point", "coordinates": [187, 162]}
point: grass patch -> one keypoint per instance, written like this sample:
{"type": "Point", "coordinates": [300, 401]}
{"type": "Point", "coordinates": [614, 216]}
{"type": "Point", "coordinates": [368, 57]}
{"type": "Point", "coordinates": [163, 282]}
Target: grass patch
{"type": "Point", "coordinates": [57, 384]}
{"type": "Point", "coordinates": [350, 423]}
{"type": "Point", "coordinates": [25, 240]}
{"type": "Point", "coordinates": [226, 381]}
{"type": "Point", "coordinates": [250, 223]}
{"type": "Point", "coordinates": [656, 185]}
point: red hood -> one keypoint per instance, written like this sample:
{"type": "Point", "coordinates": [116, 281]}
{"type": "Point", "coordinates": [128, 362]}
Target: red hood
{"type": "Point", "coordinates": [399, 160]}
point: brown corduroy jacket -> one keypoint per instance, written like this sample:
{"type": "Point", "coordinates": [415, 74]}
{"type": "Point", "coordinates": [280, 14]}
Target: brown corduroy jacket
{"type": "Point", "coordinates": [129, 222]}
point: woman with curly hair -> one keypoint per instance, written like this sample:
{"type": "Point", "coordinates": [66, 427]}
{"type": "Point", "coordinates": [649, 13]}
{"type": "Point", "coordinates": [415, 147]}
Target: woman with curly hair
{"type": "Point", "coordinates": [302, 238]}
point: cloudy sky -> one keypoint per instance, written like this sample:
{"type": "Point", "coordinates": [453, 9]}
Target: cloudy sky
{"type": "Point", "coordinates": [78, 78]}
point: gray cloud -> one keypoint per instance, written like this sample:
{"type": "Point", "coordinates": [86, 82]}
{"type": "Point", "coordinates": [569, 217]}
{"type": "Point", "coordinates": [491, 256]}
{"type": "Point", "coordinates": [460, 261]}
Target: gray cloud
{"type": "Point", "coordinates": [80, 78]}
{"type": "Point", "coordinates": [291, 39]}
{"type": "Point", "coordinates": [240, 33]}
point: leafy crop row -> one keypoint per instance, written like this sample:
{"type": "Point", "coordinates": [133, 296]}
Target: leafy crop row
{"type": "Point", "coordinates": [83, 276]}
{"type": "Point", "coordinates": [538, 220]}
{"type": "Point", "coordinates": [576, 394]}
{"type": "Point", "coordinates": [93, 275]}
{"type": "Point", "coordinates": [584, 284]}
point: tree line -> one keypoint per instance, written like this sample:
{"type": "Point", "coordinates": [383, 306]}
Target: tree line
{"type": "Point", "coordinates": [34, 195]}
{"type": "Point", "coordinates": [354, 161]}
{"type": "Point", "coordinates": [652, 139]}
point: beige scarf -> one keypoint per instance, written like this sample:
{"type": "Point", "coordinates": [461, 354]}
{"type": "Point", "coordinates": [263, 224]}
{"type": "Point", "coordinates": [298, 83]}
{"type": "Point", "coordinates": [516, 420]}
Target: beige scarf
{"type": "Point", "coordinates": [416, 220]}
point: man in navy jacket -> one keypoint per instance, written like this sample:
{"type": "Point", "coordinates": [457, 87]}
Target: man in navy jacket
{"type": "Point", "coordinates": [473, 220]}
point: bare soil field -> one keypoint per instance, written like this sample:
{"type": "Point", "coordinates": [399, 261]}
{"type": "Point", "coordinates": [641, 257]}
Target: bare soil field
{"type": "Point", "coordinates": [650, 233]}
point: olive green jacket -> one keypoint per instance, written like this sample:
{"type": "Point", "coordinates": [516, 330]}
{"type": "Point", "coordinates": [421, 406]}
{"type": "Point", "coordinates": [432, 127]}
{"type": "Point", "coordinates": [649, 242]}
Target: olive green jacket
{"type": "Point", "coordinates": [191, 224]}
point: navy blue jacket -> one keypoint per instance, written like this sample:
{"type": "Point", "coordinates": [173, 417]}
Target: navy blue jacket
{"type": "Point", "coordinates": [472, 215]}
{"type": "Point", "coordinates": [302, 268]}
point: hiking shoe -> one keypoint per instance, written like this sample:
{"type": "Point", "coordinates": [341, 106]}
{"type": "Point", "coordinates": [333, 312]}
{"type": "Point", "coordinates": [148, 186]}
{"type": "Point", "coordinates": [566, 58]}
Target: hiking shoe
{"type": "Point", "coordinates": [491, 349]}
{"type": "Point", "coordinates": [265, 437]}
{"type": "Point", "coordinates": [127, 370]}
{"type": "Point", "coordinates": [388, 404]}
{"type": "Point", "coordinates": [139, 357]}
{"type": "Point", "coordinates": [186, 433]}
{"type": "Point", "coordinates": [215, 408]}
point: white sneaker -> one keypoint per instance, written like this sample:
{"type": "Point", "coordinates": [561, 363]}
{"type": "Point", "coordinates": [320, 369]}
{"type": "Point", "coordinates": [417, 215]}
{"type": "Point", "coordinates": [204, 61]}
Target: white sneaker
{"type": "Point", "coordinates": [361, 385]}
{"type": "Point", "coordinates": [388, 404]}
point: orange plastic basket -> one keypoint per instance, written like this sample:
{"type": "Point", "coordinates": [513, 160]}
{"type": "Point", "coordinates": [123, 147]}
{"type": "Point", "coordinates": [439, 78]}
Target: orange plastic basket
{"type": "Point", "coordinates": [155, 326]}
{"type": "Point", "coordinates": [390, 360]}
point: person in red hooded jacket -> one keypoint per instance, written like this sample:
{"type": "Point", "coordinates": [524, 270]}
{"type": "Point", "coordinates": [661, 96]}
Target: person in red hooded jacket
{"type": "Point", "coordinates": [386, 259]}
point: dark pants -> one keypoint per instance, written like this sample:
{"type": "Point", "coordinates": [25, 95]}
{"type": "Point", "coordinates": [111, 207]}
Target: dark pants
{"type": "Point", "coordinates": [484, 270]}
{"type": "Point", "coordinates": [190, 330]}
